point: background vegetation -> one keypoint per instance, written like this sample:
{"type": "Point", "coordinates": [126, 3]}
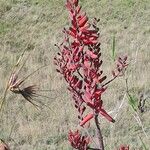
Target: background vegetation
{"type": "Point", "coordinates": [36, 25]}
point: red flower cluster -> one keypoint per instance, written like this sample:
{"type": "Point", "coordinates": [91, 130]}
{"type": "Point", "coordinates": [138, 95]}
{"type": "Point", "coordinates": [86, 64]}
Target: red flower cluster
{"type": "Point", "coordinates": [80, 64]}
{"type": "Point", "coordinates": [124, 147]}
{"type": "Point", "coordinates": [77, 141]}
{"type": "Point", "coordinates": [79, 61]}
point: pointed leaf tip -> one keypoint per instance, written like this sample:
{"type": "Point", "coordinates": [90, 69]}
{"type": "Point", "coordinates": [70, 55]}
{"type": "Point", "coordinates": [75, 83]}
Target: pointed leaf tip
{"type": "Point", "coordinates": [106, 115]}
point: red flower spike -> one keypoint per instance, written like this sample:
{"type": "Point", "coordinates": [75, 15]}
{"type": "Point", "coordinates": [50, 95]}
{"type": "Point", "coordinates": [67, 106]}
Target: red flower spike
{"type": "Point", "coordinates": [79, 61]}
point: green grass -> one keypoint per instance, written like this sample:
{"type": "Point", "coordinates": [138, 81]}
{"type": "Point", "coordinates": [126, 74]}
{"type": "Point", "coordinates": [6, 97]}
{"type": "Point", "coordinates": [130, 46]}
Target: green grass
{"type": "Point", "coordinates": [38, 24]}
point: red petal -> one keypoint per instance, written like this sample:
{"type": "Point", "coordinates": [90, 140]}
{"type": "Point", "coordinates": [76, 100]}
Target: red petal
{"type": "Point", "coordinates": [83, 21]}
{"type": "Point", "coordinates": [98, 92]}
{"type": "Point", "coordinates": [71, 33]}
{"type": "Point", "coordinates": [75, 2]}
{"type": "Point", "coordinates": [87, 64]}
{"type": "Point", "coordinates": [106, 115]}
{"type": "Point", "coordinates": [91, 54]}
{"type": "Point", "coordinates": [102, 79]}
{"type": "Point", "coordinates": [85, 27]}
{"type": "Point", "coordinates": [81, 48]}
{"type": "Point", "coordinates": [73, 30]}
{"type": "Point", "coordinates": [79, 84]}
{"type": "Point", "coordinates": [74, 24]}
{"type": "Point", "coordinates": [88, 101]}
{"type": "Point", "coordinates": [88, 42]}
{"type": "Point", "coordinates": [68, 5]}
{"type": "Point", "coordinates": [78, 9]}
{"type": "Point", "coordinates": [82, 110]}
{"type": "Point", "coordinates": [86, 119]}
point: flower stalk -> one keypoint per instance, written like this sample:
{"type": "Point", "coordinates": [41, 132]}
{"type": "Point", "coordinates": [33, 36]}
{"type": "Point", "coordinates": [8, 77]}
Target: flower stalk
{"type": "Point", "coordinates": [99, 133]}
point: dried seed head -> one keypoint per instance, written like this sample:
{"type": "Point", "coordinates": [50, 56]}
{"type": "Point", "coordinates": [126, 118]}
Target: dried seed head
{"type": "Point", "coordinates": [14, 83]}
{"type": "Point", "coordinates": [28, 92]}
{"type": "Point", "coordinates": [12, 79]}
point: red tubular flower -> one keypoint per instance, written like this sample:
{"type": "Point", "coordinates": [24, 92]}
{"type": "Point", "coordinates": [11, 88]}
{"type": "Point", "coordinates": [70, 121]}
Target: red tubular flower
{"type": "Point", "coordinates": [78, 141]}
{"type": "Point", "coordinates": [86, 119]}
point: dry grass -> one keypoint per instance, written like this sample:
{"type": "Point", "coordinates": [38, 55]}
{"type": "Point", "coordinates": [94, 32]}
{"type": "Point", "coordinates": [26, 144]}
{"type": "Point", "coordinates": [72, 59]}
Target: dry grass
{"type": "Point", "coordinates": [37, 24]}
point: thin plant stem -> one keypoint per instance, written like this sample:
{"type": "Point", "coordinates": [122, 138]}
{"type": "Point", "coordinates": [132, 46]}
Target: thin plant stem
{"type": "Point", "coordinates": [4, 98]}
{"type": "Point", "coordinates": [99, 133]}
{"type": "Point", "coordinates": [109, 81]}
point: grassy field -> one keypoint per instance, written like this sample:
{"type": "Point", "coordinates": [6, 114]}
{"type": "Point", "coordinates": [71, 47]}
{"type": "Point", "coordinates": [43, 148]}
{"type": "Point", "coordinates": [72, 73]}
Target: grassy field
{"type": "Point", "coordinates": [36, 25]}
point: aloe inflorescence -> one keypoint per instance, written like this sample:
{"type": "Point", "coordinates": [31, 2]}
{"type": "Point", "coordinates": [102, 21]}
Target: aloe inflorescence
{"type": "Point", "coordinates": [80, 63]}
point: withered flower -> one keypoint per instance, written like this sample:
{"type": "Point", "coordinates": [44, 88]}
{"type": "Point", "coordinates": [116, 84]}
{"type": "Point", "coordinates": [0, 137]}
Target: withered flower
{"type": "Point", "coordinates": [28, 92]}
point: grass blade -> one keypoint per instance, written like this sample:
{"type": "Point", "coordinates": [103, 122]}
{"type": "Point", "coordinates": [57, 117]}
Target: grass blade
{"type": "Point", "coordinates": [133, 102]}
{"type": "Point", "coordinates": [113, 47]}
{"type": "Point", "coordinates": [143, 144]}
